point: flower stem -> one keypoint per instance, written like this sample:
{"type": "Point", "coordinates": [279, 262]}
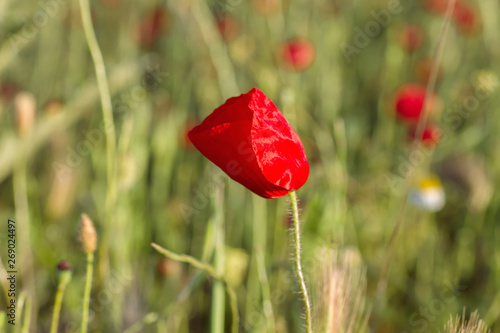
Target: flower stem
{"type": "Point", "coordinates": [298, 264]}
{"type": "Point", "coordinates": [218, 295]}
{"type": "Point", "coordinates": [109, 129]}
{"type": "Point", "coordinates": [86, 295]}
{"type": "Point", "coordinates": [57, 306]}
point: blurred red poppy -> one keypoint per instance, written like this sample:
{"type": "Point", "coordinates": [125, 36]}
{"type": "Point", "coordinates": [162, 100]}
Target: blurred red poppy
{"type": "Point", "coordinates": [411, 38]}
{"type": "Point", "coordinates": [298, 54]}
{"type": "Point", "coordinates": [464, 14]}
{"type": "Point", "coordinates": [410, 100]}
{"type": "Point", "coordinates": [250, 140]}
{"type": "Point", "coordinates": [466, 18]}
{"type": "Point", "coordinates": [228, 27]}
{"type": "Point", "coordinates": [430, 135]}
{"type": "Point", "coordinates": [151, 25]}
{"type": "Point", "coordinates": [8, 90]}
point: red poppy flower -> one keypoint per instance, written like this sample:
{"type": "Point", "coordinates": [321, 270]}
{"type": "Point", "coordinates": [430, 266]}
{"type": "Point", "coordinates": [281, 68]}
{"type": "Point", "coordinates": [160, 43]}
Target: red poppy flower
{"type": "Point", "coordinates": [410, 100]}
{"type": "Point", "coordinates": [430, 135]}
{"type": "Point", "coordinates": [411, 38]}
{"type": "Point", "coordinates": [298, 54]}
{"type": "Point", "coordinates": [250, 140]}
{"type": "Point", "coordinates": [466, 18]}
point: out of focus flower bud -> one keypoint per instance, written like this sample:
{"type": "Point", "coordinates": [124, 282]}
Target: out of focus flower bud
{"type": "Point", "coordinates": [64, 272]}
{"type": "Point", "coordinates": [25, 106]}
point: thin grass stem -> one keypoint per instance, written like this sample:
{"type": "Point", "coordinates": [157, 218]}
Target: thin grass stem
{"type": "Point", "coordinates": [207, 268]}
{"type": "Point", "coordinates": [86, 295]}
{"type": "Point", "coordinates": [61, 287]}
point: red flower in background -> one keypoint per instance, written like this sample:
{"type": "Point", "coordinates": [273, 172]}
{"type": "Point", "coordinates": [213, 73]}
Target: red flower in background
{"type": "Point", "coordinates": [430, 135]}
{"type": "Point", "coordinates": [464, 14]}
{"type": "Point", "coordinates": [466, 17]}
{"type": "Point", "coordinates": [411, 38]}
{"type": "Point", "coordinates": [228, 27]}
{"type": "Point", "coordinates": [250, 140]}
{"type": "Point", "coordinates": [410, 100]}
{"type": "Point", "coordinates": [298, 54]}
{"type": "Point", "coordinates": [151, 26]}
{"type": "Point", "coordinates": [8, 90]}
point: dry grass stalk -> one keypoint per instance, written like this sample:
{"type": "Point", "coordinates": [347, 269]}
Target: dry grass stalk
{"type": "Point", "coordinates": [341, 292]}
{"type": "Point", "coordinates": [460, 325]}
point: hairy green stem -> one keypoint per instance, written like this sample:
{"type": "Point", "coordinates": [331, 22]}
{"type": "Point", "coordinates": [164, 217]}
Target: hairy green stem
{"type": "Point", "coordinates": [86, 295]}
{"type": "Point", "coordinates": [298, 264]}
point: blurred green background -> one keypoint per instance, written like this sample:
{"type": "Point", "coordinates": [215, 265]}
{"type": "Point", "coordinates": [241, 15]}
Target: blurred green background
{"type": "Point", "coordinates": [169, 64]}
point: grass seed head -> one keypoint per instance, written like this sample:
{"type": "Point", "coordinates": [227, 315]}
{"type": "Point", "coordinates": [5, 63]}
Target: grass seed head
{"type": "Point", "coordinates": [87, 234]}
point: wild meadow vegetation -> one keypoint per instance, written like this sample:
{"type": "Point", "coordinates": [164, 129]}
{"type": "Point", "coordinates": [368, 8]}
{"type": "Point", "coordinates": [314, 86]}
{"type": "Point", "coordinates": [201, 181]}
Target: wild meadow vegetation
{"type": "Point", "coordinates": [112, 221]}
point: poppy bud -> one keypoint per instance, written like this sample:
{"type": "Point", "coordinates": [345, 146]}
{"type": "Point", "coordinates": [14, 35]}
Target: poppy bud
{"type": "Point", "coordinates": [87, 234]}
{"type": "Point", "coordinates": [250, 140]}
{"type": "Point", "coordinates": [430, 135]}
{"type": "Point", "coordinates": [298, 54]}
{"type": "Point", "coordinates": [64, 272]}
